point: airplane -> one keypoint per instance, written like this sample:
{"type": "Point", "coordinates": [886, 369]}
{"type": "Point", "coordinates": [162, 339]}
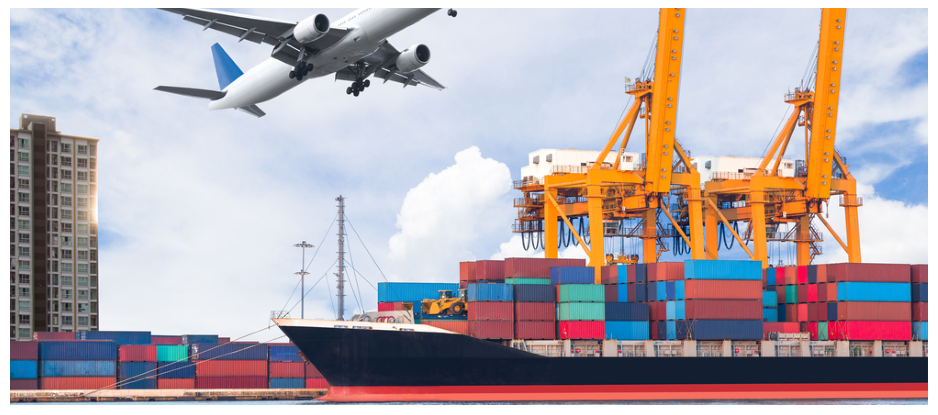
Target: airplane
{"type": "Point", "coordinates": [354, 49]}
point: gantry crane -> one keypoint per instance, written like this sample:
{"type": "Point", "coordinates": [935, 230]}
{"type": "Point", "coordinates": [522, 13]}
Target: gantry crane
{"type": "Point", "coordinates": [772, 199]}
{"type": "Point", "coordinates": [612, 194]}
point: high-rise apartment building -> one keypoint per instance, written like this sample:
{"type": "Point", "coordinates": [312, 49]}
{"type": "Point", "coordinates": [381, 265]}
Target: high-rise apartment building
{"type": "Point", "coordinates": [53, 229]}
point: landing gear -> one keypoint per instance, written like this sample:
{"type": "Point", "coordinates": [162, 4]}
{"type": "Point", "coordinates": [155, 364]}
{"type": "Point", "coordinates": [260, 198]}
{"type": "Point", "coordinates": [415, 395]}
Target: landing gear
{"type": "Point", "coordinates": [302, 69]}
{"type": "Point", "coordinates": [451, 12]}
{"type": "Point", "coordinates": [357, 87]}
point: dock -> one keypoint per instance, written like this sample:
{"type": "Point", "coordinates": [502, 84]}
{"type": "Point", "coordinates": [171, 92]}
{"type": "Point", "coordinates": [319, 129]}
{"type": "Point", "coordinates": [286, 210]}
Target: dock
{"type": "Point", "coordinates": [164, 395]}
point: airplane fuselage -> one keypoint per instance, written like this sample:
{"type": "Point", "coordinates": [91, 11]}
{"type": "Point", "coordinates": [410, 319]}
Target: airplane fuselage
{"type": "Point", "coordinates": [369, 28]}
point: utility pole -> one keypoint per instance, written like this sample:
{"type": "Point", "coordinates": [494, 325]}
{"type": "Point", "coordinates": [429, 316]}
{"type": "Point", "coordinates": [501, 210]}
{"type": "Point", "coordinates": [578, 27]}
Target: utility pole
{"type": "Point", "coordinates": [340, 292]}
{"type": "Point", "coordinates": [302, 275]}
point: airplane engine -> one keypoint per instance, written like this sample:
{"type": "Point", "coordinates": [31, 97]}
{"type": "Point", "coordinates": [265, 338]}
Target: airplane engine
{"type": "Point", "coordinates": [311, 28]}
{"type": "Point", "coordinates": [413, 58]}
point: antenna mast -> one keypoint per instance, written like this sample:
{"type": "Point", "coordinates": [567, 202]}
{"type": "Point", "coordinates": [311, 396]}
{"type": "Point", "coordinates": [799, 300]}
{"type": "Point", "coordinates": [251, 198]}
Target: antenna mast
{"type": "Point", "coordinates": [340, 292]}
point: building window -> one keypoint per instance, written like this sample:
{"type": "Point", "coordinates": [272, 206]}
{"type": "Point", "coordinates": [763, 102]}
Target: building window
{"type": "Point", "coordinates": [66, 214]}
{"type": "Point", "coordinates": [82, 269]}
{"type": "Point", "coordinates": [24, 197]}
{"type": "Point", "coordinates": [25, 333]}
{"type": "Point", "coordinates": [66, 320]}
{"type": "Point", "coordinates": [24, 143]}
{"type": "Point", "coordinates": [94, 296]}
{"type": "Point", "coordinates": [23, 183]}
{"type": "Point", "coordinates": [82, 189]}
{"type": "Point", "coordinates": [66, 227]}
{"type": "Point", "coordinates": [82, 202]}
{"type": "Point", "coordinates": [83, 175]}
{"type": "Point", "coordinates": [66, 241]}
{"type": "Point", "coordinates": [66, 162]}
{"type": "Point", "coordinates": [66, 254]}
{"type": "Point", "coordinates": [83, 255]}
{"type": "Point", "coordinates": [66, 307]}
{"type": "Point", "coordinates": [82, 241]}
{"type": "Point", "coordinates": [24, 306]}
{"type": "Point", "coordinates": [82, 215]}
{"type": "Point", "coordinates": [23, 224]}
{"type": "Point", "coordinates": [24, 266]}
{"type": "Point", "coordinates": [22, 170]}
{"type": "Point", "coordinates": [24, 292]}
{"type": "Point", "coordinates": [94, 281]}
{"type": "Point", "coordinates": [82, 149]}
{"type": "Point", "coordinates": [66, 267]}
{"type": "Point", "coordinates": [83, 163]}
{"type": "Point", "coordinates": [82, 281]}
{"type": "Point", "coordinates": [66, 148]}
{"type": "Point", "coordinates": [66, 174]}
{"type": "Point", "coordinates": [24, 318]}
{"type": "Point", "coordinates": [66, 201]}
{"type": "Point", "coordinates": [82, 307]}
{"type": "Point", "coordinates": [66, 188]}
{"type": "Point", "coordinates": [24, 251]}
{"type": "Point", "coordinates": [24, 278]}
{"type": "Point", "coordinates": [82, 229]}
{"type": "Point", "coordinates": [66, 281]}
{"type": "Point", "coordinates": [23, 210]}
{"type": "Point", "coordinates": [23, 156]}
{"type": "Point", "coordinates": [82, 294]}
{"type": "Point", "coordinates": [55, 280]}
{"type": "Point", "coordinates": [54, 172]}
{"type": "Point", "coordinates": [82, 321]}
{"type": "Point", "coordinates": [24, 238]}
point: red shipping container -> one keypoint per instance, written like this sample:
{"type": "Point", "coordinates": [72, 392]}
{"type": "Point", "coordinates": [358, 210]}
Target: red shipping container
{"type": "Point", "coordinates": [535, 312]}
{"type": "Point", "coordinates": [779, 293]}
{"type": "Point", "coordinates": [801, 274]}
{"type": "Point", "coordinates": [166, 340]}
{"type": "Point", "coordinates": [136, 353]}
{"type": "Point", "coordinates": [224, 340]}
{"type": "Point", "coordinates": [630, 273]}
{"type": "Point", "coordinates": [919, 311]}
{"type": "Point", "coordinates": [870, 272]}
{"type": "Point", "coordinates": [780, 276]}
{"type": "Point", "coordinates": [319, 383]}
{"type": "Point", "coordinates": [455, 326]}
{"type": "Point", "coordinates": [822, 273]}
{"type": "Point", "coordinates": [920, 274]}
{"type": "Point", "coordinates": [653, 327]}
{"type": "Point", "coordinates": [464, 271]}
{"type": "Point", "coordinates": [779, 328]}
{"type": "Point", "coordinates": [312, 372]}
{"type": "Point", "coordinates": [812, 293]}
{"type": "Point", "coordinates": [812, 331]}
{"type": "Point", "coordinates": [472, 272]}
{"type": "Point", "coordinates": [490, 270]}
{"type": "Point", "coordinates": [492, 329]}
{"type": "Point", "coordinates": [870, 330]}
{"type": "Point", "coordinates": [24, 384]}
{"type": "Point", "coordinates": [765, 280]}
{"type": "Point", "coordinates": [802, 312]}
{"type": "Point", "coordinates": [791, 313]}
{"type": "Point", "coordinates": [583, 330]}
{"type": "Point", "coordinates": [175, 383]}
{"type": "Point", "coordinates": [464, 284]}
{"type": "Point", "coordinates": [791, 275]}
{"type": "Point", "coordinates": [831, 292]}
{"type": "Point", "coordinates": [24, 350]}
{"type": "Point", "coordinates": [535, 330]}
{"type": "Point", "coordinates": [630, 292]}
{"type": "Point", "coordinates": [665, 271]}
{"type": "Point", "coordinates": [280, 370]}
{"type": "Point", "coordinates": [612, 293]}
{"type": "Point", "coordinates": [490, 310]}
{"type": "Point", "coordinates": [821, 292]}
{"type": "Point", "coordinates": [661, 310]}
{"type": "Point", "coordinates": [48, 335]}
{"type": "Point", "coordinates": [722, 290]}
{"type": "Point", "coordinates": [723, 309]}
{"type": "Point", "coordinates": [652, 312]}
{"type": "Point", "coordinates": [873, 311]}
{"type": "Point", "coordinates": [802, 294]}
{"type": "Point", "coordinates": [231, 368]}
{"type": "Point", "coordinates": [609, 274]}
{"type": "Point", "coordinates": [813, 312]}
{"type": "Point", "coordinates": [231, 382]}
{"type": "Point", "coordinates": [392, 306]}
{"type": "Point", "coordinates": [71, 383]}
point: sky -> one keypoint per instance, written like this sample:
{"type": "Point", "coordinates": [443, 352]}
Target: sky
{"type": "Point", "coordinates": [199, 210]}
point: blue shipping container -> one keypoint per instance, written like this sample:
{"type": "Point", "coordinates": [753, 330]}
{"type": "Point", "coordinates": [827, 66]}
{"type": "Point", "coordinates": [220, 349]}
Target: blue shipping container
{"type": "Point", "coordinates": [175, 370]}
{"type": "Point", "coordinates": [770, 315]}
{"type": "Point", "coordinates": [572, 275]}
{"type": "Point", "coordinates": [137, 375]}
{"type": "Point", "coordinates": [623, 270]}
{"type": "Point", "coordinates": [76, 350]}
{"type": "Point", "coordinates": [679, 290]}
{"type": "Point", "coordinates": [24, 369]}
{"type": "Point", "coordinates": [812, 274]}
{"type": "Point", "coordinates": [724, 330]}
{"type": "Point", "coordinates": [782, 315]}
{"type": "Point", "coordinates": [622, 295]}
{"type": "Point", "coordinates": [641, 293]}
{"type": "Point", "coordinates": [770, 277]}
{"type": "Point", "coordinates": [227, 351]}
{"type": "Point", "coordinates": [920, 330]}
{"type": "Point", "coordinates": [491, 292]}
{"type": "Point", "coordinates": [769, 299]}
{"type": "Point", "coordinates": [874, 291]}
{"type": "Point", "coordinates": [137, 383]}
{"type": "Point", "coordinates": [199, 338]}
{"type": "Point", "coordinates": [711, 269]}
{"type": "Point", "coordinates": [652, 294]}
{"type": "Point", "coordinates": [674, 310]}
{"type": "Point", "coordinates": [119, 337]}
{"type": "Point", "coordinates": [284, 353]}
{"type": "Point", "coordinates": [627, 330]}
{"type": "Point", "coordinates": [831, 311]}
{"type": "Point", "coordinates": [412, 292]}
{"type": "Point", "coordinates": [670, 291]}
{"type": "Point", "coordinates": [535, 293]}
{"type": "Point", "coordinates": [670, 329]}
{"type": "Point", "coordinates": [288, 383]}
{"type": "Point", "coordinates": [640, 272]}
{"type": "Point", "coordinates": [920, 293]}
{"type": "Point", "coordinates": [78, 368]}
{"type": "Point", "coordinates": [624, 311]}
{"type": "Point", "coordinates": [661, 291]}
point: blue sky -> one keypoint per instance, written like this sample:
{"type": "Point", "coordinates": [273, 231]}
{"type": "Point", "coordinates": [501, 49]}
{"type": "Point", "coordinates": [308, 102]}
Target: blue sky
{"type": "Point", "coordinates": [199, 210]}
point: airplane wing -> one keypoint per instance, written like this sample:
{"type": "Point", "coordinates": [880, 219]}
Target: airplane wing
{"type": "Point", "coordinates": [381, 65]}
{"type": "Point", "coordinates": [277, 33]}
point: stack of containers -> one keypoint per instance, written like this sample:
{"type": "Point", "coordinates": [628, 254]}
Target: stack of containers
{"type": "Point", "coordinates": [200, 338]}
{"type": "Point", "coordinates": [723, 300]}
{"type": "Point", "coordinates": [118, 337]}
{"type": "Point", "coordinates": [920, 302]}
{"type": "Point", "coordinates": [535, 312]}
{"type": "Point", "coordinates": [229, 365]}
{"type": "Point", "coordinates": [580, 303]}
{"type": "Point", "coordinates": [466, 269]}
{"type": "Point", "coordinates": [665, 288]}
{"type": "Point", "coordinates": [286, 367]}
{"type": "Point", "coordinates": [490, 271]}
{"type": "Point", "coordinates": [171, 340]}
{"type": "Point", "coordinates": [873, 302]}
{"type": "Point", "coordinates": [411, 292]}
{"type": "Point", "coordinates": [609, 277]}
{"type": "Point", "coordinates": [769, 307]}
{"type": "Point", "coordinates": [53, 335]}
{"type": "Point", "coordinates": [173, 369]}
{"type": "Point", "coordinates": [314, 379]}
{"type": "Point", "coordinates": [535, 270]}
{"type": "Point", "coordinates": [77, 365]}
{"type": "Point", "coordinates": [455, 326]}
{"type": "Point", "coordinates": [24, 365]}
{"type": "Point", "coordinates": [490, 311]}
{"type": "Point", "coordinates": [774, 281]}
{"type": "Point", "coordinates": [137, 369]}
{"type": "Point", "coordinates": [626, 321]}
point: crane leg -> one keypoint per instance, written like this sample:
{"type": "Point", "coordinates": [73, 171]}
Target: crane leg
{"type": "Point", "coordinates": [758, 228]}
{"type": "Point", "coordinates": [550, 226]}
{"type": "Point", "coordinates": [710, 225]}
{"type": "Point", "coordinates": [853, 228]}
{"type": "Point", "coordinates": [803, 234]}
{"type": "Point", "coordinates": [694, 217]}
{"type": "Point", "coordinates": [650, 236]}
{"type": "Point", "coordinates": [594, 205]}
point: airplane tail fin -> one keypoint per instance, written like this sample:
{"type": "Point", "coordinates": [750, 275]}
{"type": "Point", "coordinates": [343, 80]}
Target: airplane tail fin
{"type": "Point", "coordinates": [225, 68]}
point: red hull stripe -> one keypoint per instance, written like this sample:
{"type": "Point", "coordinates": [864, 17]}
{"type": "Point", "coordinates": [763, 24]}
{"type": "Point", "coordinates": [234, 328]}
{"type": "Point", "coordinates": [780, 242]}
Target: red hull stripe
{"type": "Point", "coordinates": [626, 392]}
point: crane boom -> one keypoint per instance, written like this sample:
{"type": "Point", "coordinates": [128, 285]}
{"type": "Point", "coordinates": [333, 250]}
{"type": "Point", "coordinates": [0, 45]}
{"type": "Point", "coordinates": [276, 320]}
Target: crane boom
{"type": "Point", "coordinates": [824, 119]}
{"type": "Point", "coordinates": [660, 149]}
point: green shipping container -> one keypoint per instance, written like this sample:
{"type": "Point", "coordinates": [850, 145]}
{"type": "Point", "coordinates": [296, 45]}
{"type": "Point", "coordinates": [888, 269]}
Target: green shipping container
{"type": "Point", "coordinates": [583, 293]}
{"type": "Point", "coordinates": [166, 353]}
{"type": "Point", "coordinates": [532, 281]}
{"type": "Point", "coordinates": [822, 331]}
{"type": "Point", "coordinates": [791, 294]}
{"type": "Point", "coordinates": [583, 311]}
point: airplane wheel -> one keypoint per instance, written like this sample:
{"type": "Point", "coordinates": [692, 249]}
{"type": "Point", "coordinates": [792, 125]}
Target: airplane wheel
{"type": "Point", "coordinates": [292, 74]}
{"type": "Point", "coordinates": [367, 83]}
{"type": "Point", "coordinates": [355, 93]}
{"type": "Point", "coordinates": [348, 91]}
{"type": "Point", "coordinates": [451, 12]}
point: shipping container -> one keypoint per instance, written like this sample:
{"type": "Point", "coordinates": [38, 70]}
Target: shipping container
{"type": "Point", "coordinates": [631, 294]}
{"type": "Point", "coordinates": [675, 310]}
{"type": "Point", "coordinates": [581, 293]}
{"type": "Point", "coordinates": [708, 269]}
{"type": "Point", "coordinates": [455, 326]}
{"type": "Point", "coordinates": [528, 281]}
{"type": "Point", "coordinates": [870, 330]}
{"type": "Point", "coordinates": [223, 340]}
{"type": "Point", "coordinates": [490, 311]}
{"type": "Point", "coordinates": [781, 327]}
{"type": "Point", "coordinates": [535, 312]}
{"type": "Point", "coordinates": [24, 384]}
{"type": "Point", "coordinates": [231, 382]}
{"type": "Point", "coordinates": [661, 310]}
{"type": "Point", "coordinates": [625, 274]}
{"type": "Point", "coordinates": [227, 351]}
{"type": "Point", "coordinates": [582, 330]}
{"type": "Point", "coordinates": [137, 383]}
{"type": "Point", "coordinates": [58, 335]}
{"type": "Point", "coordinates": [76, 368]}
{"type": "Point", "coordinates": [812, 293]}
{"type": "Point", "coordinates": [312, 372]}
{"type": "Point", "coordinates": [723, 309]}
{"type": "Point", "coordinates": [822, 331]}
{"type": "Point", "coordinates": [831, 292]}
{"type": "Point", "coordinates": [780, 273]}
{"type": "Point", "coordinates": [286, 370]}
{"type": "Point", "coordinates": [801, 274]}
{"type": "Point", "coordinates": [811, 329]}
{"type": "Point", "coordinates": [723, 290]}
{"type": "Point", "coordinates": [136, 353]}
{"type": "Point", "coordinates": [287, 383]}
{"type": "Point", "coordinates": [802, 294]}
{"type": "Point", "coordinates": [175, 370]}
{"type": "Point", "coordinates": [869, 311]}
{"type": "Point", "coordinates": [814, 314]}
{"type": "Point", "coordinates": [409, 292]}
{"type": "Point", "coordinates": [318, 383]}
{"type": "Point", "coordinates": [28, 350]}
{"type": "Point", "coordinates": [920, 293]}
{"type": "Point", "coordinates": [480, 292]}
{"type": "Point", "coordinates": [492, 329]}
{"type": "Point", "coordinates": [535, 330]}
{"type": "Point", "coordinates": [791, 275]}
{"type": "Point", "coordinates": [802, 312]}
{"type": "Point", "coordinates": [78, 383]}
{"type": "Point", "coordinates": [641, 293]}
{"type": "Point", "coordinates": [535, 293]}
{"type": "Point", "coordinates": [231, 368]}
{"type": "Point", "coordinates": [489, 270]}
{"type": "Point", "coordinates": [791, 294]}
{"type": "Point", "coordinates": [537, 267]}
{"type": "Point", "coordinates": [284, 353]}
{"type": "Point", "coordinates": [640, 273]}
{"type": "Point", "coordinates": [780, 293]}
{"type": "Point", "coordinates": [866, 272]}
{"type": "Point", "coordinates": [24, 369]}
{"type": "Point", "coordinates": [822, 292]}
{"type": "Point", "coordinates": [920, 330]}
{"type": "Point", "coordinates": [919, 274]}
{"type": "Point", "coordinates": [653, 330]}
{"type": "Point", "coordinates": [137, 375]}
{"type": "Point", "coordinates": [464, 271]}
{"type": "Point", "coordinates": [770, 277]}
{"type": "Point", "coordinates": [611, 293]}
{"type": "Point", "coordinates": [609, 274]}
{"type": "Point", "coordinates": [616, 311]}
{"type": "Point", "coordinates": [769, 299]}
{"type": "Point", "coordinates": [722, 330]}
{"type": "Point", "coordinates": [175, 383]}
{"type": "Point", "coordinates": [661, 290]}
{"type": "Point", "coordinates": [874, 291]}
{"type": "Point", "coordinates": [782, 314]}
{"type": "Point", "coordinates": [572, 275]}
{"type": "Point", "coordinates": [77, 350]}
{"type": "Point", "coordinates": [208, 338]}
{"type": "Point", "coordinates": [770, 315]}
{"type": "Point", "coordinates": [172, 353]}
{"type": "Point", "coordinates": [166, 340]}
{"type": "Point", "coordinates": [626, 330]}
{"type": "Point", "coordinates": [119, 337]}
{"type": "Point", "coordinates": [679, 290]}
{"type": "Point", "coordinates": [919, 311]}
{"type": "Point", "coordinates": [812, 274]}
{"type": "Point", "coordinates": [582, 311]}
{"type": "Point", "coordinates": [651, 291]}
{"type": "Point", "coordinates": [665, 271]}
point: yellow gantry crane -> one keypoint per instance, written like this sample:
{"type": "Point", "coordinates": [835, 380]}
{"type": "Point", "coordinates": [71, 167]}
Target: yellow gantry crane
{"type": "Point", "coordinates": [612, 194]}
{"type": "Point", "coordinates": [771, 199]}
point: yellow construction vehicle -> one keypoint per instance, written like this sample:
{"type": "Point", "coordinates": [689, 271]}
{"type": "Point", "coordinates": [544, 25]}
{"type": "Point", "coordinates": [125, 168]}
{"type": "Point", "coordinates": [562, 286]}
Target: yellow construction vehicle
{"type": "Point", "coordinates": [447, 304]}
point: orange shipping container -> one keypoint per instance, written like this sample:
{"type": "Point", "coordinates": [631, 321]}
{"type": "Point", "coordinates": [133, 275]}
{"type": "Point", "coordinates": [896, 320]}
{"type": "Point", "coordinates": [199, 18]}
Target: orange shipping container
{"type": "Point", "coordinates": [832, 292]}
{"type": "Point", "coordinates": [216, 368]}
{"type": "Point", "coordinates": [665, 271]}
{"type": "Point", "coordinates": [455, 326]}
{"type": "Point", "coordinates": [802, 312]}
{"type": "Point", "coordinates": [279, 370]}
{"type": "Point", "coordinates": [791, 275]}
{"type": "Point", "coordinates": [822, 273]}
{"type": "Point", "coordinates": [175, 383]}
{"type": "Point", "coordinates": [72, 383]}
{"type": "Point", "coordinates": [873, 311]}
{"type": "Point", "coordinates": [722, 290]}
